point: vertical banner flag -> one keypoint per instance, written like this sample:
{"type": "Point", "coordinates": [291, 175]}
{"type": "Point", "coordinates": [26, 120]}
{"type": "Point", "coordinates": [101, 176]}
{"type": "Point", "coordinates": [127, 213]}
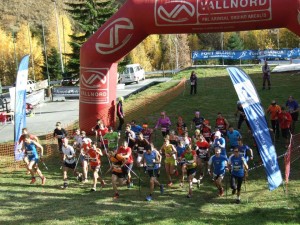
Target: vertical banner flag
{"type": "Point", "coordinates": [255, 114]}
{"type": "Point", "coordinates": [20, 104]}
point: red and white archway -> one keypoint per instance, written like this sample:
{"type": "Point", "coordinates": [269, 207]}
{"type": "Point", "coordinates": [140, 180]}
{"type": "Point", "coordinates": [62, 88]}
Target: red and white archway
{"type": "Point", "coordinates": [139, 18]}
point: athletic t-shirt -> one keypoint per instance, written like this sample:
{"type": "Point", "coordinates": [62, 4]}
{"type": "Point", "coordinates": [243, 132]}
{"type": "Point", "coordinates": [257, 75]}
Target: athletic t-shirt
{"type": "Point", "coordinates": [94, 157]}
{"type": "Point", "coordinates": [124, 151]}
{"type": "Point", "coordinates": [218, 163]}
{"type": "Point", "coordinates": [237, 165]}
{"type": "Point", "coordinates": [198, 121]}
{"type": "Point", "coordinates": [149, 158]}
{"type": "Point", "coordinates": [220, 142]}
{"type": "Point", "coordinates": [180, 150]}
{"type": "Point", "coordinates": [189, 158]}
{"type": "Point", "coordinates": [243, 151]}
{"type": "Point", "coordinates": [69, 152]}
{"type": "Point", "coordinates": [274, 110]}
{"type": "Point", "coordinates": [233, 137]}
{"type": "Point", "coordinates": [30, 150]}
{"type": "Point", "coordinates": [112, 139]}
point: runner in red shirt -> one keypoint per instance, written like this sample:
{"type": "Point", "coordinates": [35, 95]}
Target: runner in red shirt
{"type": "Point", "coordinates": [203, 155]}
{"type": "Point", "coordinates": [126, 152]}
{"type": "Point", "coordinates": [222, 124]}
{"type": "Point", "coordinates": [206, 131]}
{"type": "Point", "coordinates": [94, 155]}
{"type": "Point", "coordinates": [100, 130]}
{"type": "Point", "coordinates": [285, 120]}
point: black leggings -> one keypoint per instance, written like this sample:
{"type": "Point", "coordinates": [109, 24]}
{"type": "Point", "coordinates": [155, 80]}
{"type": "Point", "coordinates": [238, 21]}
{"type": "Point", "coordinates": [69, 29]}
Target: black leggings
{"type": "Point", "coordinates": [236, 182]}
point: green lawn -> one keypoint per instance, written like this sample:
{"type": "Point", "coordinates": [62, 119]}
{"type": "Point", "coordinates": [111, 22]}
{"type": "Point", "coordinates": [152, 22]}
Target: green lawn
{"type": "Point", "coordinates": [22, 203]}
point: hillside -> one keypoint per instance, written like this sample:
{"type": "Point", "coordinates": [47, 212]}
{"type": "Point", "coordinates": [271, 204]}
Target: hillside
{"type": "Point", "coordinates": [12, 12]}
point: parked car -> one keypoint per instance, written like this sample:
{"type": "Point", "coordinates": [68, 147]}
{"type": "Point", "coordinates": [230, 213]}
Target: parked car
{"type": "Point", "coordinates": [132, 73]}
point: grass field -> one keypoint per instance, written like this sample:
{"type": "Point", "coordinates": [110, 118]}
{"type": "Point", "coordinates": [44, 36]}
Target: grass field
{"type": "Point", "coordinates": [22, 203]}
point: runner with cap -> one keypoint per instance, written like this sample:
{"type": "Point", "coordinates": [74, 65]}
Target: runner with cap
{"type": "Point", "coordinates": [220, 142]}
{"type": "Point", "coordinates": [147, 132]}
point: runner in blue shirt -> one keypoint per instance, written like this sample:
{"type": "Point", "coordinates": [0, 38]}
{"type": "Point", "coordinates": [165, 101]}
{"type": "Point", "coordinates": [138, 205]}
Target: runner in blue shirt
{"type": "Point", "coordinates": [245, 151]}
{"type": "Point", "coordinates": [30, 150]}
{"type": "Point", "coordinates": [237, 165]}
{"type": "Point", "coordinates": [220, 142]}
{"type": "Point", "coordinates": [136, 128]}
{"type": "Point", "coordinates": [152, 160]}
{"type": "Point", "coordinates": [233, 136]}
{"type": "Point", "coordinates": [219, 163]}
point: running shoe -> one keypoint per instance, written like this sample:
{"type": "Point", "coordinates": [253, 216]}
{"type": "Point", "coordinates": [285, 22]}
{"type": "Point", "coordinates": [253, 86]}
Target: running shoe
{"type": "Point", "coordinates": [148, 198]}
{"type": "Point", "coordinates": [161, 187]}
{"type": "Point", "coordinates": [233, 191]}
{"type": "Point", "coordinates": [198, 183]}
{"type": "Point", "coordinates": [221, 192]}
{"type": "Point", "coordinates": [93, 189]}
{"type": "Point", "coordinates": [85, 181]}
{"type": "Point", "coordinates": [176, 173]}
{"type": "Point", "coordinates": [170, 184]}
{"type": "Point", "coordinates": [116, 196]}
{"type": "Point", "coordinates": [103, 183]}
{"type": "Point", "coordinates": [238, 201]}
{"type": "Point", "coordinates": [189, 196]}
{"type": "Point", "coordinates": [181, 184]}
{"type": "Point", "coordinates": [65, 186]}
{"type": "Point", "coordinates": [33, 180]}
{"type": "Point", "coordinates": [43, 180]}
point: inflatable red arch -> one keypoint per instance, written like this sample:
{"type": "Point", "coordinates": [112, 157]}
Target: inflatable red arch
{"type": "Point", "coordinates": [139, 18]}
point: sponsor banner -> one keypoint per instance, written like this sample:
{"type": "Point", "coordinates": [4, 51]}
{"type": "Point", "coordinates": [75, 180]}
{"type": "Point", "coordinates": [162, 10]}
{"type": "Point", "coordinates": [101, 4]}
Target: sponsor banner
{"type": "Point", "coordinates": [67, 91]}
{"type": "Point", "coordinates": [207, 12]}
{"type": "Point", "coordinates": [255, 114]}
{"type": "Point", "coordinates": [20, 104]}
{"type": "Point", "coordinates": [94, 88]}
{"type": "Point", "coordinates": [41, 85]}
{"type": "Point", "coordinates": [246, 54]}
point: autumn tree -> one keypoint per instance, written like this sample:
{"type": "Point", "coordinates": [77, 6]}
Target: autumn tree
{"type": "Point", "coordinates": [88, 15]}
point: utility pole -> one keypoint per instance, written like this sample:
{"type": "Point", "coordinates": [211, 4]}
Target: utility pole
{"type": "Point", "coordinates": [58, 37]}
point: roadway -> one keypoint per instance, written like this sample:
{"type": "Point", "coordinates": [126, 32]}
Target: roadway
{"type": "Point", "coordinates": [67, 112]}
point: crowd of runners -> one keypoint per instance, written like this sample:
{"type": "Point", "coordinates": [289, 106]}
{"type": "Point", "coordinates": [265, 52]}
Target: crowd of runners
{"type": "Point", "coordinates": [189, 152]}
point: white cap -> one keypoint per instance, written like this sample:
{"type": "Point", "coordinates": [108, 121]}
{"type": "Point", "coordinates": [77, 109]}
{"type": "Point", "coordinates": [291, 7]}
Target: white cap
{"type": "Point", "coordinates": [218, 134]}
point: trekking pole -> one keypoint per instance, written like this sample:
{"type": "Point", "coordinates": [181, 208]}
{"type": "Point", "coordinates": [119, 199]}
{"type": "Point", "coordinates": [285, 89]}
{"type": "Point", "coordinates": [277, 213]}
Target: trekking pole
{"type": "Point", "coordinates": [77, 162]}
{"type": "Point", "coordinates": [226, 184]}
{"type": "Point", "coordinates": [44, 165]}
{"type": "Point", "coordinates": [130, 170]}
{"type": "Point", "coordinates": [101, 138]}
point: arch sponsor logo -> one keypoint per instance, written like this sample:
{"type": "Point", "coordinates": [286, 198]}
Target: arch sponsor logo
{"type": "Point", "coordinates": [206, 12]}
{"type": "Point", "coordinates": [94, 87]}
{"type": "Point", "coordinates": [114, 36]}
{"type": "Point", "coordinates": [175, 12]}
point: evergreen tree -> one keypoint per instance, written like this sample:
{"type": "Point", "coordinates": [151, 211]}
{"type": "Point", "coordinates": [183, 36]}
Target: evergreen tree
{"type": "Point", "coordinates": [88, 15]}
{"type": "Point", "coordinates": [54, 66]}
{"type": "Point", "coordinates": [234, 43]}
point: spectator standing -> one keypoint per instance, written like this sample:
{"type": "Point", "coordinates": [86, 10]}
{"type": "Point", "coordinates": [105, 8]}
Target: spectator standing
{"type": "Point", "coordinates": [274, 110]}
{"type": "Point", "coordinates": [266, 75]}
{"type": "Point", "coordinates": [120, 113]}
{"type": "Point", "coordinates": [285, 120]}
{"type": "Point", "coordinates": [193, 80]}
{"type": "Point", "coordinates": [293, 108]}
